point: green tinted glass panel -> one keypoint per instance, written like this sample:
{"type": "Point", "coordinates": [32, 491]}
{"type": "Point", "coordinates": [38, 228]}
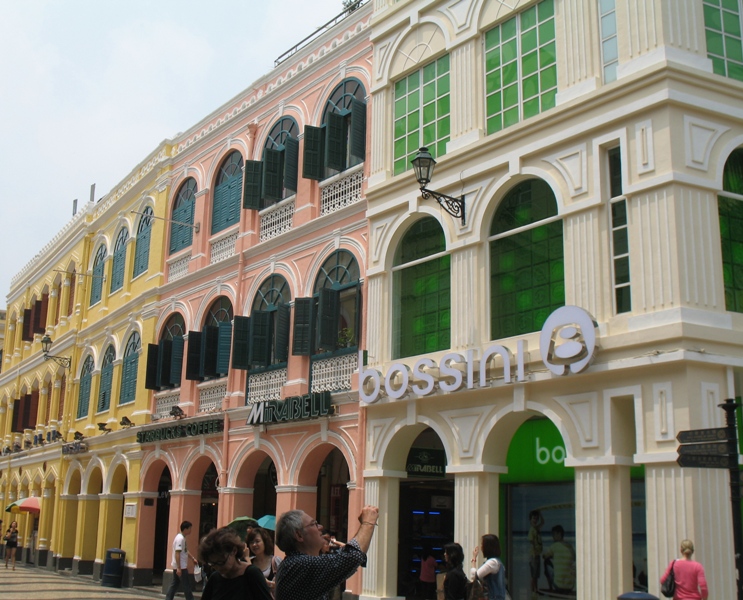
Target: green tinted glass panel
{"type": "Point", "coordinates": [723, 36]}
{"type": "Point", "coordinates": [526, 282]}
{"type": "Point", "coordinates": [421, 112]}
{"type": "Point", "coordinates": [520, 67]}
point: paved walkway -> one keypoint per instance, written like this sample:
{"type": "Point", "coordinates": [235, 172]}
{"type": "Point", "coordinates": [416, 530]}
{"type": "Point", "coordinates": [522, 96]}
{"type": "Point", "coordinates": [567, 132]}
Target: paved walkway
{"type": "Point", "coordinates": [30, 583]}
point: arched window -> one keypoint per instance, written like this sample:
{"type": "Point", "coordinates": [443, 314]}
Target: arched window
{"type": "Point", "coordinates": [422, 291]}
{"type": "Point", "coordinates": [181, 235]}
{"type": "Point", "coordinates": [340, 142]}
{"type": "Point", "coordinates": [71, 296]}
{"type": "Point", "coordinates": [333, 312]}
{"type": "Point", "coordinates": [142, 249]}
{"type": "Point", "coordinates": [227, 192]}
{"type": "Point", "coordinates": [527, 280]}
{"type": "Point", "coordinates": [96, 285]}
{"type": "Point", "coordinates": [165, 359]}
{"type": "Point", "coordinates": [209, 349]}
{"type": "Point", "coordinates": [119, 260]}
{"type": "Point", "coordinates": [269, 323]}
{"type": "Point", "coordinates": [275, 177]}
{"type": "Point", "coordinates": [107, 374]}
{"type": "Point", "coordinates": [730, 209]}
{"type": "Point", "coordinates": [83, 397]}
{"type": "Point", "coordinates": [129, 369]}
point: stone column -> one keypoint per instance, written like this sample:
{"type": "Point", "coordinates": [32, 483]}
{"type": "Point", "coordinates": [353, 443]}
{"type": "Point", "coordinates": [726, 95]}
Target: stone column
{"type": "Point", "coordinates": [85, 534]}
{"type": "Point", "coordinates": [110, 514]}
{"type": "Point", "coordinates": [382, 131]}
{"type": "Point", "coordinates": [46, 519]}
{"type": "Point", "coordinates": [476, 507]}
{"type": "Point", "coordinates": [603, 531]}
{"type": "Point", "coordinates": [64, 300]}
{"type": "Point", "coordinates": [234, 501]}
{"type": "Point", "coordinates": [380, 576]}
{"type": "Point", "coordinates": [51, 313]}
{"type": "Point", "coordinates": [296, 497]}
{"type": "Point", "coordinates": [578, 42]}
{"type": "Point", "coordinates": [466, 75]}
{"type": "Point", "coordinates": [66, 530]}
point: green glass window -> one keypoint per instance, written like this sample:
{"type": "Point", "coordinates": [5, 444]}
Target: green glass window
{"type": "Point", "coordinates": [107, 374]}
{"type": "Point", "coordinates": [228, 193]}
{"type": "Point", "coordinates": [119, 260]}
{"type": "Point", "coordinates": [129, 369]}
{"type": "Point", "coordinates": [526, 260]}
{"type": "Point", "coordinates": [181, 234]}
{"type": "Point", "coordinates": [142, 248]}
{"type": "Point", "coordinates": [609, 45]}
{"type": "Point", "coordinates": [96, 285]}
{"type": "Point", "coordinates": [520, 67]}
{"type": "Point", "coordinates": [730, 209]}
{"type": "Point", "coordinates": [722, 28]}
{"type": "Point", "coordinates": [619, 234]}
{"type": "Point", "coordinates": [421, 113]}
{"type": "Point", "coordinates": [422, 291]}
{"type": "Point", "coordinates": [83, 397]}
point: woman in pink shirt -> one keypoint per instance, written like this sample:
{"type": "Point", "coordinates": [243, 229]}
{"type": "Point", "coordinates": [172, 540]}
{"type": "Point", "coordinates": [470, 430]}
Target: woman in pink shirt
{"type": "Point", "coordinates": [691, 584]}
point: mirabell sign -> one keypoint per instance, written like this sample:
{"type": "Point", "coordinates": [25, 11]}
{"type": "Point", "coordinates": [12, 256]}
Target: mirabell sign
{"type": "Point", "coordinates": [567, 344]}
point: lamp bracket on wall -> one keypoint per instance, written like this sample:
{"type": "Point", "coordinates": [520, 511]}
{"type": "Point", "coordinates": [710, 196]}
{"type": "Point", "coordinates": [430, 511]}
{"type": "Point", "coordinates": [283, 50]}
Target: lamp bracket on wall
{"type": "Point", "coordinates": [194, 226]}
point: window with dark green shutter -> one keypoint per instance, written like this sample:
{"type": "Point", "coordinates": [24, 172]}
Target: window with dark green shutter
{"type": "Point", "coordinates": [422, 298]}
{"type": "Point", "coordinates": [83, 397]}
{"type": "Point", "coordinates": [208, 351]}
{"type": "Point", "coordinates": [252, 185]}
{"type": "Point", "coordinates": [130, 365]}
{"type": "Point", "coordinates": [176, 361]}
{"type": "Point", "coordinates": [142, 247]}
{"type": "Point", "coordinates": [96, 284]}
{"type": "Point", "coordinates": [164, 361]}
{"type": "Point", "coordinates": [193, 357]}
{"type": "Point", "coordinates": [335, 321]}
{"type": "Point", "coordinates": [181, 235]}
{"type": "Point", "coordinates": [269, 324]}
{"type": "Point", "coordinates": [280, 161]}
{"type": "Point", "coordinates": [302, 341]}
{"type": "Point", "coordinates": [260, 338]}
{"type": "Point", "coordinates": [227, 193]}
{"type": "Point", "coordinates": [151, 375]}
{"type": "Point", "coordinates": [107, 374]}
{"type": "Point", "coordinates": [119, 260]}
{"type": "Point", "coordinates": [341, 141]}
{"type": "Point", "coordinates": [224, 342]}
{"type": "Point", "coordinates": [527, 272]}
{"type": "Point", "coordinates": [241, 343]}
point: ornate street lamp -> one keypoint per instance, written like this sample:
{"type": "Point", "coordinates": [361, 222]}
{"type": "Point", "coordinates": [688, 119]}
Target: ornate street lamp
{"type": "Point", "coordinates": [62, 361]}
{"type": "Point", "coordinates": [423, 165]}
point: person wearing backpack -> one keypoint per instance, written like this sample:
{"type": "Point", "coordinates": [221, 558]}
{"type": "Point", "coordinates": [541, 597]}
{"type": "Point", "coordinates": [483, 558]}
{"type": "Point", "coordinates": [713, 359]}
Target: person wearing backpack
{"type": "Point", "coordinates": [492, 572]}
{"type": "Point", "coordinates": [691, 583]}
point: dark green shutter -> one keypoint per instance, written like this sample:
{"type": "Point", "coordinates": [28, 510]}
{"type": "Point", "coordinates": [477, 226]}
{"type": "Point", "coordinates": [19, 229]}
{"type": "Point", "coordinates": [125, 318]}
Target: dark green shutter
{"type": "Point", "coordinates": [150, 378]}
{"type": "Point", "coordinates": [291, 163]}
{"type": "Point", "coordinates": [176, 361]}
{"type": "Point", "coordinates": [224, 341]}
{"type": "Point", "coordinates": [273, 161]}
{"type": "Point", "coordinates": [36, 320]}
{"type": "Point", "coordinates": [260, 338]}
{"type": "Point", "coordinates": [26, 334]}
{"type": "Point", "coordinates": [165, 354]}
{"type": "Point", "coordinates": [313, 165]}
{"type": "Point", "coordinates": [241, 343]}
{"type": "Point", "coordinates": [329, 312]}
{"type": "Point", "coordinates": [219, 207]}
{"type": "Point", "coordinates": [181, 235]}
{"type": "Point", "coordinates": [17, 413]}
{"type": "Point", "coordinates": [83, 398]}
{"type": "Point", "coordinates": [104, 393]}
{"type": "Point", "coordinates": [252, 184]}
{"type": "Point", "coordinates": [359, 320]}
{"type": "Point", "coordinates": [302, 343]}
{"type": "Point", "coordinates": [335, 157]}
{"type": "Point", "coordinates": [283, 327]}
{"type": "Point", "coordinates": [117, 270]}
{"type": "Point", "coordinates": [209, 341]}
{"type": "Point", "coordinates": [193, 357]}
{"type": "Point", "coordinates": [357, 142]}
{"type": "Point", "coordinates": [232, 205]}
{"type": "Point", "coordinates": [129, 378]}
{"type": "Point", "coordinates": [142, 251]}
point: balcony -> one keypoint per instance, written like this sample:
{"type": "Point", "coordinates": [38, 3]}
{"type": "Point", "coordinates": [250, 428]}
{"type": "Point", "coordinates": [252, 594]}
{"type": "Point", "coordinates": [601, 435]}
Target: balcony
{"type": "Point", "coordinates": [178, 268]}
{"type": "Point", "coordinates": [223, 248]}
{"type": "Point", "coordinates": [266, 386]}
{"type": "Point", "coordinates": [277, 219]}
{"type": "Point", "coordinates": [341, 190]}
{"type": "Point", "coordinates": [164, 402]}
{"type": "Point", "coordinates": [211, 395]}
{"type": "Point", "coordinates": [334, 374]}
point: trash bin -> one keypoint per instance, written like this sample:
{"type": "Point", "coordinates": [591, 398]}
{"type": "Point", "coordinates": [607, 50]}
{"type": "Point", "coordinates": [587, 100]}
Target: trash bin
{"type": "Point", "coordinates": [113, 568]}
{"type": "Point", "coordinates": [637, 596]}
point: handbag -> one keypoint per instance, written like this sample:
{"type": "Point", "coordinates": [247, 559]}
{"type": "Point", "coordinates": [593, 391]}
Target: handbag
{"type": "Point", "coordinates": [477, 589]}
{"type": "Point", "coordinates": [668, 587]}
{"type": "Point", "coordinates": [197, 573]}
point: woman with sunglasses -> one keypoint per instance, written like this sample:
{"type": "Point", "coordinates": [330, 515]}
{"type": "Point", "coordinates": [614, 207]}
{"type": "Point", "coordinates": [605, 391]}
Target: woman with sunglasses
{"type": "Point", "coordinates": [233, 577]}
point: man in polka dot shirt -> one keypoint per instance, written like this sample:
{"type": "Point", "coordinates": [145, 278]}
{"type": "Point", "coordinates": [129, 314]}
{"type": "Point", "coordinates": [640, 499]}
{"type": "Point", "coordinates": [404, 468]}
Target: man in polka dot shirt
{"type": "Point", "coordinates": [305, 573]}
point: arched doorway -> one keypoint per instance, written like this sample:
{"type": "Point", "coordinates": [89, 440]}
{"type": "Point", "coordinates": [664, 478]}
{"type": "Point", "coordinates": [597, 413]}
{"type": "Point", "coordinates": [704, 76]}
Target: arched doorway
{"type": "Point", "coordinates": [162, 515]}
{"type": "Point", "coordinates": [332, 495]}
{"type": "Point", "coordinates": [426, 509]}
{"type": "Point", "coordinates": [264, 489]}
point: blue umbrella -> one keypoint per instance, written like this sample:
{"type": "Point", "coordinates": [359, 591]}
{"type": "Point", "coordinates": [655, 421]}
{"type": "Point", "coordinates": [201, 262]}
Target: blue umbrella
{"type": "Point", "coordinates": [268, 522]}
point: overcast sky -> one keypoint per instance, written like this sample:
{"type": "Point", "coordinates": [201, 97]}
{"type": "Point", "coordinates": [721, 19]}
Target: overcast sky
{"type": "Point", "coordinates": [88, 88]}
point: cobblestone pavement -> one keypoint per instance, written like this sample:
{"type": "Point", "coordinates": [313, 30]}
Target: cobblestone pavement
{"type": "Point", "coordinates": [28, 583]}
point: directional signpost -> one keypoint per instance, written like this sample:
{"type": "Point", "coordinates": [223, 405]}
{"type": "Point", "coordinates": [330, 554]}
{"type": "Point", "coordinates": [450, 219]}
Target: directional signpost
{"type": "Point", "coordinates": [717, 448]}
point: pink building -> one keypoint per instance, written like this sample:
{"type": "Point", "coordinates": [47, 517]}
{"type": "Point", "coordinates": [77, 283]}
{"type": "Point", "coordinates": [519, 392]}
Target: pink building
{"type": "Point", "coordinates": [259, 321]}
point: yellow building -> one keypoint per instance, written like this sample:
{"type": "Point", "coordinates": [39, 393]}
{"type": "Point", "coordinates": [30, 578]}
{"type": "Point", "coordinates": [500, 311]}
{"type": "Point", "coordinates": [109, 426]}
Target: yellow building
{"type": "Point", "coordinates": [66, 410]}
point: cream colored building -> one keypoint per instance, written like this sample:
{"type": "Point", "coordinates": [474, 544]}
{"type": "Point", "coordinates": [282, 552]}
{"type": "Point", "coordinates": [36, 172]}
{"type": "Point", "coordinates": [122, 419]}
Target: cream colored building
{"type": "Point", "coordinates": [592, 141]}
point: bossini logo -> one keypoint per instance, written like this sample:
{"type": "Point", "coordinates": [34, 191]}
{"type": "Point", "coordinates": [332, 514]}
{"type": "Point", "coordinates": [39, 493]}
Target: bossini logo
{"type": "Point", "coordinates": [567, 344]}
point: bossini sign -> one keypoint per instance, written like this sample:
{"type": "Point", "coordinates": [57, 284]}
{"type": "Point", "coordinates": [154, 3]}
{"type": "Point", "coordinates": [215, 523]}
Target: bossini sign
{"type": "Point", "coordinates": [567, 344]}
